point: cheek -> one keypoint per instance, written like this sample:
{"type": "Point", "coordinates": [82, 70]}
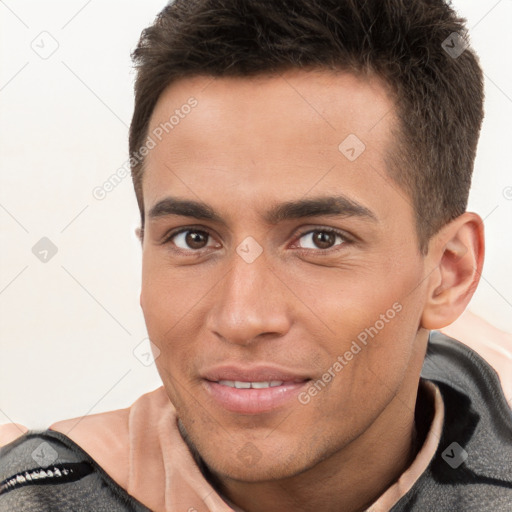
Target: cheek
{"type": "Point", "coordinates": [346, 301]}
{"type": "Point", "coordinates": [388, 346]}
{"type": "Point", "coordinates": [168, 304]}
{"type": "Point", "coordinates": [372, 325]}
{"type": "Point", "coordinates": [368, 366]}
{"type": "Point", "coordinates": [169, 296]}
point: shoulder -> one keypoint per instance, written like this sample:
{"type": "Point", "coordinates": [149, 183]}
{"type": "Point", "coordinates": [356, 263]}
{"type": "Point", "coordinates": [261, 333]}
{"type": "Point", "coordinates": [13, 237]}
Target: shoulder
{"type": "Point", "coordinates": [45, 470]}
{"type": "Point", "coordinates": [470, 365]}
{"type": "Point", "coordinates": [104, 434]}
{"type": "Point", "coordinates": [490, 343]}
{"type": "Point", "coordinates": [107, 437]}
{"type": "Point", "coordinates": [91, 455]}
{"type": "Point", "coordinates": [477, 423]}
{"type": "Point", "coordinates": [32, 454]}
{"type": "Point", "coordinates": [473, 375]}
{"type": "Point", "coordinates": [39, 467]}
{"type": "Point", "coordinates": [10, 432]}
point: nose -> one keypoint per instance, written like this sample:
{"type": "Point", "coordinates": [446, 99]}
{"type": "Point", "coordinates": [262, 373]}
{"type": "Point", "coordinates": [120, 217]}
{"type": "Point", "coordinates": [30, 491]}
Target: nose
{"type": "Point", "coordinates": [250, 303]}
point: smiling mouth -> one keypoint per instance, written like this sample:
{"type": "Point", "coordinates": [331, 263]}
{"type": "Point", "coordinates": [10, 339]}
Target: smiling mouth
{"type": "Point", "coordinates": [254, 397]}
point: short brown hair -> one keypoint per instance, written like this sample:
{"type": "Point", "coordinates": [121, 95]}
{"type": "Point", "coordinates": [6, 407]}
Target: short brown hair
{"type": "Point", "coordinates": [438, 94]}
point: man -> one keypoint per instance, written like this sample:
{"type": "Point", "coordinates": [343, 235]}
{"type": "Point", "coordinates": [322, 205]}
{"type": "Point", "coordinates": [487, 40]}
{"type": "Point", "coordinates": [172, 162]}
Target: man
{"type": "Point", "coordinates": [302, 171]}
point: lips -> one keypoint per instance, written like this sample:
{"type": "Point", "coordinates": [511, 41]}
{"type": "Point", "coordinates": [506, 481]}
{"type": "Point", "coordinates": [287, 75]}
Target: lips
{"type": "Point", "coordinates": [252, 390]}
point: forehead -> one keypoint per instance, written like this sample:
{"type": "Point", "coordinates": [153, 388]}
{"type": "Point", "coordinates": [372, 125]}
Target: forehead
{"type": "Point", "coordinates": [281, 135]}
{"type": "Point", "coordinates": [333, 100]}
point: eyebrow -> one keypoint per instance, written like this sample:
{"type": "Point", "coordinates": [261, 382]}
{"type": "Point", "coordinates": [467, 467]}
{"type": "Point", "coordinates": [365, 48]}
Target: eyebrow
{"type": "Point", "coordinates": [340, 206]}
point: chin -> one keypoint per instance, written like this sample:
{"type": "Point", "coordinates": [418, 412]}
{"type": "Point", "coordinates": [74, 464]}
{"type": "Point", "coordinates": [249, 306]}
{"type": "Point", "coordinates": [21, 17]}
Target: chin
{"type": "Point", "coordinates": [253, 462]}
{"type": "Point", "coordinates": [263, 471]}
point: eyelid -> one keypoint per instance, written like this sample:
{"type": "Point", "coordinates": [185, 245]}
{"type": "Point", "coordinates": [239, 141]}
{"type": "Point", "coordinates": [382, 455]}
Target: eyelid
{"type": "Point", "coordinates": [169, 235]}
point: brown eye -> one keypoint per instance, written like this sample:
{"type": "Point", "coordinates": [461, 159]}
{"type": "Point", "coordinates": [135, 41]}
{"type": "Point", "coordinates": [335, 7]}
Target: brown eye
{"type": "Point", "coordinates": [321, 239]}
{"type": "Point", "coordinates": [196, 239]}
{"type": "Point", "coordinates": [190, 239]}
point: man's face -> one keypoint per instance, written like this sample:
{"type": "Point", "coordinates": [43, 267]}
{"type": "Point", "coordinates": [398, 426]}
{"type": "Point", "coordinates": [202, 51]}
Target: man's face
{"type": "Point", "coordinates": [318, 307]}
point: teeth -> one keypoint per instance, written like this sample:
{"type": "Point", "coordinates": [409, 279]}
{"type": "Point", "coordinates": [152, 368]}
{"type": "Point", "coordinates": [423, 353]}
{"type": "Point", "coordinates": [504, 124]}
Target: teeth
{"type": "Point", "coordinates": [247, 385]}
{"type": "Point", "coordinates": [229, 383]}
{"type": "Point", "coordinates": [260, 385]}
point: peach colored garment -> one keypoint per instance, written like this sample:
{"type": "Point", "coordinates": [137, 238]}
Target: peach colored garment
{"type": "Point", "coordinates": [422, 460]}
{"type": "Point", "coordinates": [141, 449]}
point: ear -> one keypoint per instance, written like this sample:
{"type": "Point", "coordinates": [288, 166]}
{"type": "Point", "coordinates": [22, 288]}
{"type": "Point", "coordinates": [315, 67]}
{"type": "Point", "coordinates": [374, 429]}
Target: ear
{"type": "Point", "coordinates": [456, 253]}
{"type": "Point", "coordinates": [139, 233]}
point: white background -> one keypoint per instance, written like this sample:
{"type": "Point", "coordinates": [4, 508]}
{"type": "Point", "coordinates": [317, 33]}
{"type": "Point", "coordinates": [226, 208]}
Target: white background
{"type": "Point", "coordinates": [69, 326]}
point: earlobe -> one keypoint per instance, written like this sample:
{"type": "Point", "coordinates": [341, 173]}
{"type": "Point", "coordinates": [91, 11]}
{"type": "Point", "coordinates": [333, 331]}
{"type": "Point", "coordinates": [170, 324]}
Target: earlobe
{"type": "Point", "coordinates": [458, 253]}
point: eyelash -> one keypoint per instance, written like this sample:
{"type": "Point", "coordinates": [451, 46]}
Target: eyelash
{"type": "Point", "coordinates": [345, 240]}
